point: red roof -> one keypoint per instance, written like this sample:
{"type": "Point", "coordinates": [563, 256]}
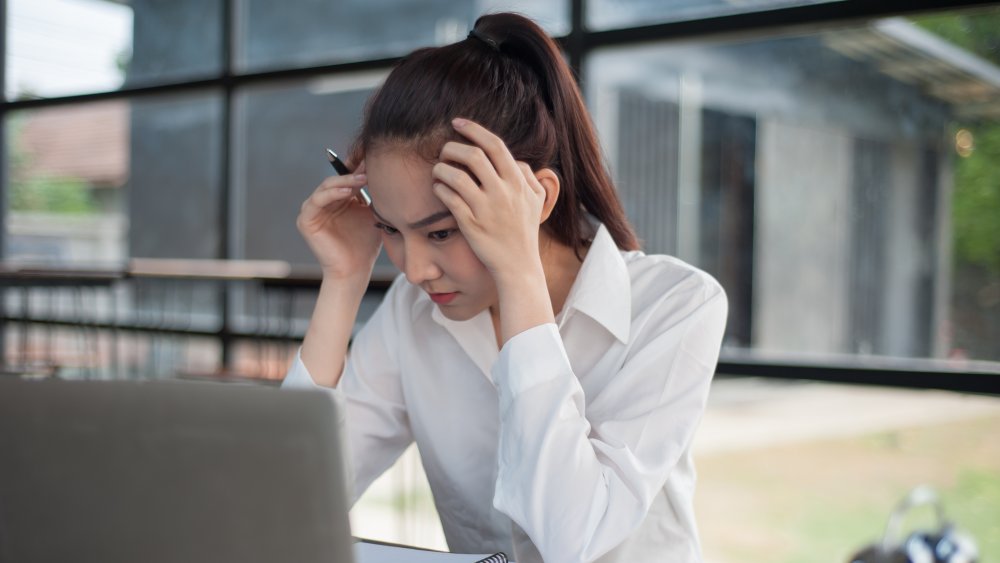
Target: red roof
{"type": "Point", "coordinates": [87, 141]}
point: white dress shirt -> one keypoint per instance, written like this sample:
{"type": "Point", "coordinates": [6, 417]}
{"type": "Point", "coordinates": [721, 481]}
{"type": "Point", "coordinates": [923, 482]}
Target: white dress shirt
{"type": "Point", "coordinates": [571, 443]}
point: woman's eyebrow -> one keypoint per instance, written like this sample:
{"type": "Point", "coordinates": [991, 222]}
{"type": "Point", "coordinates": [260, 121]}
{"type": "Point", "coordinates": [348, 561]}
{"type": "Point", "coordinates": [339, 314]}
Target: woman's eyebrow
{"type": "Point", "coordinates": [429, 220]}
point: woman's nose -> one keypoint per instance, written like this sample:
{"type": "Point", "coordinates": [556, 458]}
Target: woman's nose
{"type": "Point", "coordinates": [419, 265]}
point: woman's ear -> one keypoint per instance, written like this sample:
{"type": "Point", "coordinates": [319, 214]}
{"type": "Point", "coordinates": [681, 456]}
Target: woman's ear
{"type": "Point", "coordinates": [550, 182]}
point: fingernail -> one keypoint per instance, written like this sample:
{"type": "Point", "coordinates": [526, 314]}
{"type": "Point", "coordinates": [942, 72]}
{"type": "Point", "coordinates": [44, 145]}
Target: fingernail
{"type": "Point", "coordinates": [360, 178]}
{"type": "Point", "coordinates": [458, 122]}
{"type": "Point", "coordinates": [345, 190]}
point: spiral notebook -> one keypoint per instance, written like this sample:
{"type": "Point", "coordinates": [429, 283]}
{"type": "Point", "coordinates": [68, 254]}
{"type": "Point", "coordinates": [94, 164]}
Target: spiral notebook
{"type": "Point", "coordinates": [378, 553]}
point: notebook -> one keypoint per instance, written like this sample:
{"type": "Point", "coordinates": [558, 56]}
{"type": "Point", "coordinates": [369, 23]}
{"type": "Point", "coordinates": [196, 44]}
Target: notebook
{"type": "Point", "coordinates": [382, 553]}
{"type": "Point", "coordinates": [157, 471]}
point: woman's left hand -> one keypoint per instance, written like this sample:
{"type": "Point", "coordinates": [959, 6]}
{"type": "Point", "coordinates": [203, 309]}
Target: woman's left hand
{"type": "Point", "coordinates": [496, 200]}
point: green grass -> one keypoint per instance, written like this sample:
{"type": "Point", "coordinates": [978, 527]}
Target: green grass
{"type": "Point", "coordinates": [825, 500]}
{"type": "Point", "coordinates": [974, 504]}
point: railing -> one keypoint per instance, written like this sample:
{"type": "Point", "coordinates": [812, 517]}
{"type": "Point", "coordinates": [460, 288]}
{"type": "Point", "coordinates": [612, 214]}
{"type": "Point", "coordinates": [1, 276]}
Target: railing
{"type": "Point", "coordinates": [244, 319]}
{"type": "Point", "coordinates": [153, 317]}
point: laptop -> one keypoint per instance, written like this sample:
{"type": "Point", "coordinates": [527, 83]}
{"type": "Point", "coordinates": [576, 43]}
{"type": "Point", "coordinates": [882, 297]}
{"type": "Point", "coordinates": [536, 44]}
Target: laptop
{"type": "Point", "coordinates": [178, 471]}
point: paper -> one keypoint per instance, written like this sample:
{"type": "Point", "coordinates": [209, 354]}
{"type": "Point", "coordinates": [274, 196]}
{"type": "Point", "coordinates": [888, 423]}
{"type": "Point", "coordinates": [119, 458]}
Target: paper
{"type": "Point", "coordinates": [376, 553]}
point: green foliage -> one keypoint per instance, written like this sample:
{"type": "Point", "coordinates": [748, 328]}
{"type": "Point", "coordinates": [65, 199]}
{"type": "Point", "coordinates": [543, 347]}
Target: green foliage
{"type": "Point", "coordinates": [51, 195]}
{"type": "Point", "coordinates": [976, 199]}
{"type": "Point", "coordinates": [975, 32]}
{"type": "Point", "coordinates": [44, 194]}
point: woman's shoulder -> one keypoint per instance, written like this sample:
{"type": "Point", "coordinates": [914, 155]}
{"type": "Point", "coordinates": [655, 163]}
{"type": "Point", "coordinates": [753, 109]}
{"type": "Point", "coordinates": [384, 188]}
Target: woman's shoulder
{"type": "Point", "coordinates": [659, 280]}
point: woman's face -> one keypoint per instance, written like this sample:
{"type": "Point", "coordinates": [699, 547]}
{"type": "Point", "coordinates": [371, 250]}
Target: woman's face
{"type": "Point", "coordinates": [422, 238]}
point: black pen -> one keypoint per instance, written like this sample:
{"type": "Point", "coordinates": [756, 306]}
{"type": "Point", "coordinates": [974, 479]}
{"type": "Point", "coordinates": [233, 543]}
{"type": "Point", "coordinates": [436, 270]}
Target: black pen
{"type": "Point", "coordinates": [341, 169]}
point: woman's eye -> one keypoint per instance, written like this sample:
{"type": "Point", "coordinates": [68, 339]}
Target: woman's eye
{"type": "Point", "coordinates": [386, 228]}
{"type": "Point", "coordinates": [440, 235]}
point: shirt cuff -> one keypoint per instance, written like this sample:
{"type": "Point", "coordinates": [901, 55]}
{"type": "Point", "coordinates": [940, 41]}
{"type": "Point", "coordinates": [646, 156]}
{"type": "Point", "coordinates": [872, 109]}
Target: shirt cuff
{"type": "Point", "coordinates": [298, 376]}
{"type": "Point", "coordinates": [299, 379]}
{"type": "Point", "coordinates": [530, 358]}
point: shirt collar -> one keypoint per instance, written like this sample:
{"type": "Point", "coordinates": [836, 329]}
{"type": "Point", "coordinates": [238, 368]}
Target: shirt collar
{"type": "Point", "coordinates": [476, 335]}
{"type": "Point", "coordinates": [602, 289]}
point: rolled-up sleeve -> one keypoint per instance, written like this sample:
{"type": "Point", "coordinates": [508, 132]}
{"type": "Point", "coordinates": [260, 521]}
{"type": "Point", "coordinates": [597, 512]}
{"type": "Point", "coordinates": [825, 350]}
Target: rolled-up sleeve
{"type": "Point", "coordinates": [298, 376]}
{"type": "Point", "coordinates": [579, 486]}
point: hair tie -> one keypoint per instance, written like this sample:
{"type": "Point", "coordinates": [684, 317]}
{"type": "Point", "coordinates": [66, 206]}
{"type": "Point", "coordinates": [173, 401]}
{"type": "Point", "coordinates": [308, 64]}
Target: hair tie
{"type": "Point", "coordinates": [488, 40]}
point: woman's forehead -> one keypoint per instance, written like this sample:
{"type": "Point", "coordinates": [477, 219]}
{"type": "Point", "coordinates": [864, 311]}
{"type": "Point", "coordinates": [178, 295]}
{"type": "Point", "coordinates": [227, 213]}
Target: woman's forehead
{"type": "Point", "coordinates": [389, 168]}
{"type": "Point", "coordinates": [399, 183]}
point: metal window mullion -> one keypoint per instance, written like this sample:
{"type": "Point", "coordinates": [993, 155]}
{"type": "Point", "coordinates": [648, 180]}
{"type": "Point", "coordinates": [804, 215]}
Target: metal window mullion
{"type": "Point", "coordinates": [225, 179]}
{"type": "Point", "coordinates": [3, 174]}
{"type": "Point", "coordinates": [575, 41]}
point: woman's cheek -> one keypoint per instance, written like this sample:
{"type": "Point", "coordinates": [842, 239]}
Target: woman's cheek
{"type": "Point", "coordinates": [393, 249]}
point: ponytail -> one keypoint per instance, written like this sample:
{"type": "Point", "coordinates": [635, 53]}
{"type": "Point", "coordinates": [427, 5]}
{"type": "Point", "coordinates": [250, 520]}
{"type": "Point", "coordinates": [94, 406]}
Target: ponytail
{"type": "Point", "coordinates": [509, 76]}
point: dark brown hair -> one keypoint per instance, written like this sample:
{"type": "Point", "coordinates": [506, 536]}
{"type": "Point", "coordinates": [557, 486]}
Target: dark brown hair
{"type": "Point", "coordinates": [510, 77]}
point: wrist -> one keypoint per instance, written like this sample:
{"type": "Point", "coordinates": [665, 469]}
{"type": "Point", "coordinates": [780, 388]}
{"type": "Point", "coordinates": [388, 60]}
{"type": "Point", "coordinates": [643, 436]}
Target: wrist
{"type": "Point", "coordinates": [324, 347]}
{"type": "Point", "coordinates": [524, 302]}
{"type": "Point", "coordinates": [354, 280]}
{"type": "Point", "coordinates": [520, 278]}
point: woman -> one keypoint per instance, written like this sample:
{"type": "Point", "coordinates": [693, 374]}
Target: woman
{"type": "Point", "coordinates": [551, 374]}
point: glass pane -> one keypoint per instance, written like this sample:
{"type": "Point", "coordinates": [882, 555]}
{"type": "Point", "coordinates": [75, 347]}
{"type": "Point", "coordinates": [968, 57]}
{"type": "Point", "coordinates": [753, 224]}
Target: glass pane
{"type": "Point", "coordinates": [67, 169]}
{"type": "Point", "coordinates": [306, 33]}
{"type": "Point", "coordinates": [830, 181]}
{"type": "Point", "coordinates": [610, 14]}
{"type": "Point", "coordinates": [64, 47]}
{"type": "Point", "coordinates": [283, 131]}
{"type": "Point", "coordinates": [176, 180]}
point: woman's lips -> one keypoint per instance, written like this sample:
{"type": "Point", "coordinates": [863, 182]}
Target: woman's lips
{"type": "Point", "coordinates": [443, 298]}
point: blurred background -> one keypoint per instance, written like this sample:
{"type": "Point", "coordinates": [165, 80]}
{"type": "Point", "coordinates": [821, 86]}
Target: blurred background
{"type": "Point", "coordinates": [835, 164]}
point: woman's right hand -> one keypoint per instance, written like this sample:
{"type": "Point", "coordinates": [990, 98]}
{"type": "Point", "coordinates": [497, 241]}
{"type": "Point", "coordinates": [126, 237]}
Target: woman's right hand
{"type": "Point", "coordinates": [339, 229]}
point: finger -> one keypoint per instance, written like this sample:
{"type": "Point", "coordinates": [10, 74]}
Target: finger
{"type": "Point", "coordinates": [472, 158]}
{"type": "Point", "coordinates": [454, 202]}
{"type": "Point", "coordinates": [494, 147]}
{"type": "Point", "coordinates": [349, 180]}
{"type": "Point", "coordinates": [324, 203]}
{"type": "Point", "coordinates": [529, 175]}
{"type": "Point", "coordinates": [328, 193]}
{"type": "Point", "coordinates": [340, 185]}
{"type": "Point", "coordinates": [459, 181]}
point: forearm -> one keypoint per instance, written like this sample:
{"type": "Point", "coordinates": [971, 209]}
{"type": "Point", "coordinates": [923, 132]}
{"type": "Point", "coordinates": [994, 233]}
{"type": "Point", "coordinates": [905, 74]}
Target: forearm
{"type": "Point", "coordinates": [524, 301]}
{"type": "Point", "coordinates": [325, 345]}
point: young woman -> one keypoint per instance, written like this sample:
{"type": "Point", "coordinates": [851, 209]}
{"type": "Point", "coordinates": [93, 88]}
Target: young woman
{"type": "Point", "coordinates": [551, 374]}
